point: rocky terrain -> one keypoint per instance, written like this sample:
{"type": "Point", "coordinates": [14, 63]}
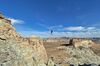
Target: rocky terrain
{"type": "Point", "coordinates": [81, 56]}
{"type": "Point", "coordinates": [18, 51]}
{"type": "Point", "coordinates": [83, 52]}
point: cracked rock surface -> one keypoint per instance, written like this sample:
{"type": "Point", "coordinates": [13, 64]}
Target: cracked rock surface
{"type": "Point", "coordinates": [81, 56]}
{"type": "Point", "coordinates": [18, 51]}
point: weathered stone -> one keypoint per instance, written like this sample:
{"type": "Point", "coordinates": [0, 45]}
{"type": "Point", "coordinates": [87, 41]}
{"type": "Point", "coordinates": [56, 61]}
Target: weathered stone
{"type": "Point", "coordinates": [50, 62]}
{"type": "Point", "coordinates": [83, 43]}
{"type": "Point", "coordinates": [64, 65]}
{"type": "Point", "coordinates": [18, 51]}
{"type": "Point", "coordinates": [81, 56]}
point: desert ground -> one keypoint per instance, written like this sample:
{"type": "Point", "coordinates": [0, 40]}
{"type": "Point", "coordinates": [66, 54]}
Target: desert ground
{"type": "Point", "coordinates": [56, 51]}
{"type": "Point", "coordinates": [53, 50]}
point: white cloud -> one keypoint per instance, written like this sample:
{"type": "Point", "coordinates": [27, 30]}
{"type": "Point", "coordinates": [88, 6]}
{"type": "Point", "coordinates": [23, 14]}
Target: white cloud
{"type": "Point", "coordinates": [16, 21]}
{"type": "Point", "coordinates": [62, 34]}
{"type": "Point", "coordinates": [36, 33]}
{"type": "Point", "coordinates": [74, 32]}
{"type": "Point", "coordinates": [80, 28]}
{"type": "Point", "coordinates": [77, 28]}
{"type": "Point", "coordinates": [91, 28]}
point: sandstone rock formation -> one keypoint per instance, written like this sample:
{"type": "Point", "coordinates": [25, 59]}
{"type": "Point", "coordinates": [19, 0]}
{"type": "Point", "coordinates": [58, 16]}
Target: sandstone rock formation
{"type": "Point", "coordinates": [18, 51]}
{"type": "Point", "coordinates": [81, 56]}
{"type": "Point", "coordinates": [80, 53]}
{"type": "Point", "coordinates": [82, 43]}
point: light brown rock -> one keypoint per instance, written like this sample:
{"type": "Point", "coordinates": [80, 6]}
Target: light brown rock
{"type": "Point", "coordinates": [83, 43]}
{"type": "Point", "coordinates": [18, 51]}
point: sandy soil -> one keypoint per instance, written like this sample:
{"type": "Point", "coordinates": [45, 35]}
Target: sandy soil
{"type": "Point", "coordinates": [52, 51]}
{"type": "Point", "coordinates": [96, 48]}
{"type": "Point", "coordinates": [59, 54]}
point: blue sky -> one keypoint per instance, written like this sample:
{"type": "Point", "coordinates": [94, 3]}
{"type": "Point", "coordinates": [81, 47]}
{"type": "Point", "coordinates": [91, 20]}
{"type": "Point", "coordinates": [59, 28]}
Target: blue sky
{"type": "Point", "coordinates": [72, 18]}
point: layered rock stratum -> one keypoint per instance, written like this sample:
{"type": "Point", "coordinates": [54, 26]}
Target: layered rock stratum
{"type": "Point", "coordinates": [18, 51]}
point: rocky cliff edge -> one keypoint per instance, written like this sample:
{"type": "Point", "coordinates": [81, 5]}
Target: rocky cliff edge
{"type": "Point", "coordinates": [18, 51]}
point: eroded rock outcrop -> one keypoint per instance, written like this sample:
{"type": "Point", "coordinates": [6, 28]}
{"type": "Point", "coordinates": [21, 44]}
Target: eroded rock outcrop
{"type": "Point", "coordinates": [81, 56]}
{"type": "Point", "coordinates": [18, 51]}
{"type": "Point", "coordinates": [82, 43]}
